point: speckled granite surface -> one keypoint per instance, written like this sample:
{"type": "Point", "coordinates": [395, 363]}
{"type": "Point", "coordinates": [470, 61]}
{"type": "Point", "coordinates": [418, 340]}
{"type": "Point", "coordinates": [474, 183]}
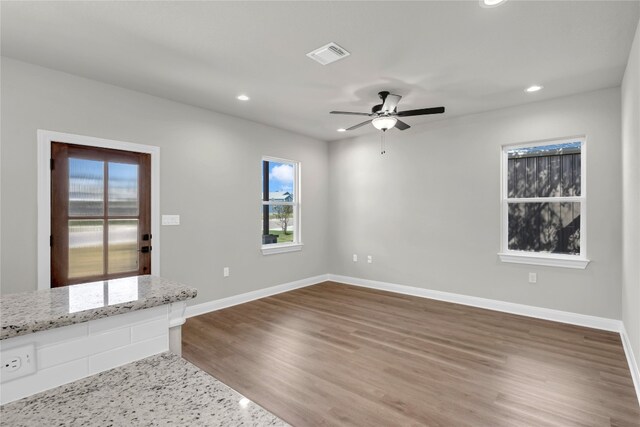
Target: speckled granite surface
{"type": "Point", "coordinates": [28, 312]}
{"type": "Point", "coordinates": [160, 390]}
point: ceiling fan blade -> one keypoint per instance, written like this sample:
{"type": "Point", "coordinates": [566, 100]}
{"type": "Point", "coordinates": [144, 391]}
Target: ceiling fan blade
{"type": "Point", "coordinates": [421, 111]}
{"type": "Point", "coordinates": [350, 113]}
{"type": "Point", "coordinates": [390, 103]}
{"type": "Point", "coordinates": [359, 125]}
{"type": "Point", "coordinates": [402, 125]}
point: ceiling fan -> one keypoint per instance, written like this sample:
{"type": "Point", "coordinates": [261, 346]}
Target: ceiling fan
{"type": "Point", "coordinates": [385, 115]}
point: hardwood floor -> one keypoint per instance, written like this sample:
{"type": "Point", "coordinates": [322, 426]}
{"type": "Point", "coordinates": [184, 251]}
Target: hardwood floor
{"type": "Point", "coordinates": [333, 354]}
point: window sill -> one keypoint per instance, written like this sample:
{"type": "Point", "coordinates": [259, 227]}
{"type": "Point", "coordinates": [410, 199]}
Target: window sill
{"type": "Point", "coordinates": [566, 261]}
{"type": "Point", "coordinates": [281, 248]}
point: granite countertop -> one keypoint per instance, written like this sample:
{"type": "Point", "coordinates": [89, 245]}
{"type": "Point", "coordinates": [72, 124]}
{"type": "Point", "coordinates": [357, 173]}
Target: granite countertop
{"type": "Point", "coordinates": [160, 390]}
{"type": "Point", "coordinates": [28, 312]}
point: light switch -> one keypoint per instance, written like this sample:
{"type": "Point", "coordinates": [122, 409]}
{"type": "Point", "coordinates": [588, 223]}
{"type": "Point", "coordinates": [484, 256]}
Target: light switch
{"type": "Point", "coordinates": [170, 219]}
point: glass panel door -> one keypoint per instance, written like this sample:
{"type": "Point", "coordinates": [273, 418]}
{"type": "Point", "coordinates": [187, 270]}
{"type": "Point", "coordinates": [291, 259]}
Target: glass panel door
{"type": "Point", "coordinates": [100, 214]}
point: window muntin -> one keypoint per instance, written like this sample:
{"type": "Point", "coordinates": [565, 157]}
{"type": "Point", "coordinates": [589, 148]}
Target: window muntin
{"type": "Point", "coordinates": [280, 225]}
{"type": "Point", "coordinates": [544, 201]}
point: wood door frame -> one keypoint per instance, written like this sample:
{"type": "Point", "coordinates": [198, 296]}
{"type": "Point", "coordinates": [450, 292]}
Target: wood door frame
{"type": "Point", "coordinates": [45, 138]}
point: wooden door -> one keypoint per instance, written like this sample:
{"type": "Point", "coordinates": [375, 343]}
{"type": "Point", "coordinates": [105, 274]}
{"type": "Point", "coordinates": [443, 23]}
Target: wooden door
{"type": "Point", "coordinates": [100, 214]}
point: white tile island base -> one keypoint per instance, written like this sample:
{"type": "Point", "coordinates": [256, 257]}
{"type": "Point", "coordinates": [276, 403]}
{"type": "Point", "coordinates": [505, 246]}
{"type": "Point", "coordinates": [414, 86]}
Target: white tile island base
{"type": "Point", "coordinates": [81, 330]}
{"type": "Point", "coordinates": [72, 352]}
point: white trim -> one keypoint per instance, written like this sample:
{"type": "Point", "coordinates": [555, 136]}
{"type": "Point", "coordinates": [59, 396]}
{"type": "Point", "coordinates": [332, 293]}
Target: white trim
{"type": "Point", "coordinates": [490, 304]}
{"type": "Point", "coordinates": [549, 141]}
{"type": "Point", "coordinates": [209, 306]}
{"type": "Point", "coordinates": [631, 360]}
{"type": "Point", "coordinates": [549, 260]}
{"type": "Point", "coordinates": [278, 159]}
{"type": "Point", "coordinates": [280, 248]}
{"type": "Point", "coordinates": [578, 199]}
{"type": "Point", "coordinates": [45, 138]}
{"type": "Point", "coordinates": [176, 313]}
{"type": "Point", "coordinates": [265, 203]}
{"type": "Point", "coordinates": [541, 258]}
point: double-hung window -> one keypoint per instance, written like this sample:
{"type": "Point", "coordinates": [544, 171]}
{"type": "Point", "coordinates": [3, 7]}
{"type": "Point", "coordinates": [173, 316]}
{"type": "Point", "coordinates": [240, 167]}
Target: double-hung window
{"type": "Point", "coordinates": [280, 218]}
{"type": "Point", "coordinates": [544, 203]}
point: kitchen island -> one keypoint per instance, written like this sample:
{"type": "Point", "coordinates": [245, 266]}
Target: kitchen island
{"type": "Point", "coordinates": [71, 332]}
{"type": "Point", "coordinates": [159, 390]}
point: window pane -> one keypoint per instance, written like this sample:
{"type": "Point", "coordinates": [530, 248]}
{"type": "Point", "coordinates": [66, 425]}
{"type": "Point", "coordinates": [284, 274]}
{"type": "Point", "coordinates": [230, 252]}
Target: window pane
{"type": "Point", "coordinates": [85, 247]}
{"type": "Point", "coordinates": [86, 187]}
{"type": "Point", "coordinates": [281, 224]}
{"type": "Point", "coordinates": [545, 227]}
{"type": "Point", "coordinates": [123, 245]}
{"type": "Point", "coordinates": [544, 171]}
{"type": "Point", "coordinates": [123, 189]}
{"type": "Point", "coordinates": [281, 181]}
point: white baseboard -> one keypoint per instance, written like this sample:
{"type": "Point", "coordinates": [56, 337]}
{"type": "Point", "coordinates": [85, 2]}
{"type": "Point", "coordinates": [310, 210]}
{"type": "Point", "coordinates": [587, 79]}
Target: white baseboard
{"type": "Point", "coordinates": [631, 360]}
{"type": "Point", "coordinates": [507, 307]}
{"type": "Point", "coordinates": [206, 307]}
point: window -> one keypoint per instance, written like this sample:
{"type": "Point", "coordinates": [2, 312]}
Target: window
{"type": "Point", "coordinates": [544, 203]}
{"type": "Point", "coordinates": [280, 219]}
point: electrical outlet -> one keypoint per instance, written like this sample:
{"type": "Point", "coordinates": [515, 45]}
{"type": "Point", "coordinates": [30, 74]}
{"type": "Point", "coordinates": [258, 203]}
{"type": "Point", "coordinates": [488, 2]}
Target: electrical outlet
{"type": "Point", "coordinates": [369, 259]}
{"type": "Point", "coordinates": [13, 364]}
{"type": "Point", "coordinates": [17, 362]}
{"type": "Point", "coordinates": [355, 257]}
{"type": "Point", "coordinates": [533, 277]}
{"type": "Point", "coordinates": [225, 272]}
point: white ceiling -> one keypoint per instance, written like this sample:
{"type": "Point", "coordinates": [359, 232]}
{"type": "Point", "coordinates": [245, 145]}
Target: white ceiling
{"type": "Point", "coordinates": [456, 54]}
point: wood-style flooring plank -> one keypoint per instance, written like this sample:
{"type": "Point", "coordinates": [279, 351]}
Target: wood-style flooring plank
{"type": "Point", "coordinates": [339, 355]}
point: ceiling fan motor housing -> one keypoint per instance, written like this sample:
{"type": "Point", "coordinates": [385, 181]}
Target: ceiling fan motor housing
{"type": "Point", "coordinates": [385, 114]}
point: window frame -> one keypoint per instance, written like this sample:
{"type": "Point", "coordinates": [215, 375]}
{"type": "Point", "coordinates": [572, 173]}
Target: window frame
{"type": "Point", "coordinates": [296, 245]}
{"type": "Point", "coordinates": [543, 258]}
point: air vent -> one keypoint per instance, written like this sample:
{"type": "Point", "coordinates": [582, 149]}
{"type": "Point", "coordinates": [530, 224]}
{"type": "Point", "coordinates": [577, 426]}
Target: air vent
{"type": "Point", "coordinates": [328, 54]}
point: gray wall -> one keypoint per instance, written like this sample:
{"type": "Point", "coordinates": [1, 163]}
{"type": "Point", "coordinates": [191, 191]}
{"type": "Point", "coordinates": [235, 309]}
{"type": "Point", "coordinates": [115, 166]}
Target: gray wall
{"type": "Point", "coordinates": [429, 210]}
{"type": "Point", "coordinates": [426, 223]}
{"type": "Point", "coordinates": [210, 175]}
{"type": "Point", "coordinates": [631, 197]}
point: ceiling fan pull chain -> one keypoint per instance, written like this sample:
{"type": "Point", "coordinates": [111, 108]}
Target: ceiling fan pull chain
{"type": "Point", "coordinates": [382, 149]}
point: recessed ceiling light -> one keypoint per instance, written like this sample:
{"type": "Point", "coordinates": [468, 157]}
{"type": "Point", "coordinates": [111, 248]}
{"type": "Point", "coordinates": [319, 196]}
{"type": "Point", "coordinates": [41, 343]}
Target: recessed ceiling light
{"type": "Point", "coordinates": [533, 88]}
{"type": "Point", "coordinates": [342, 130]}
{"type": "Point", "coordinates": [243, 97]}
{"type": "Point", "coordinates": [491, 3]}
{"type": "Point", "coordinates": [244, 402]}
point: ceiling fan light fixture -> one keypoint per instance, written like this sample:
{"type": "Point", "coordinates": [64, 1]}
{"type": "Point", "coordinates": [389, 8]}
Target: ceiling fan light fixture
{"type": "Point", "coordinates": [384, 123]}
